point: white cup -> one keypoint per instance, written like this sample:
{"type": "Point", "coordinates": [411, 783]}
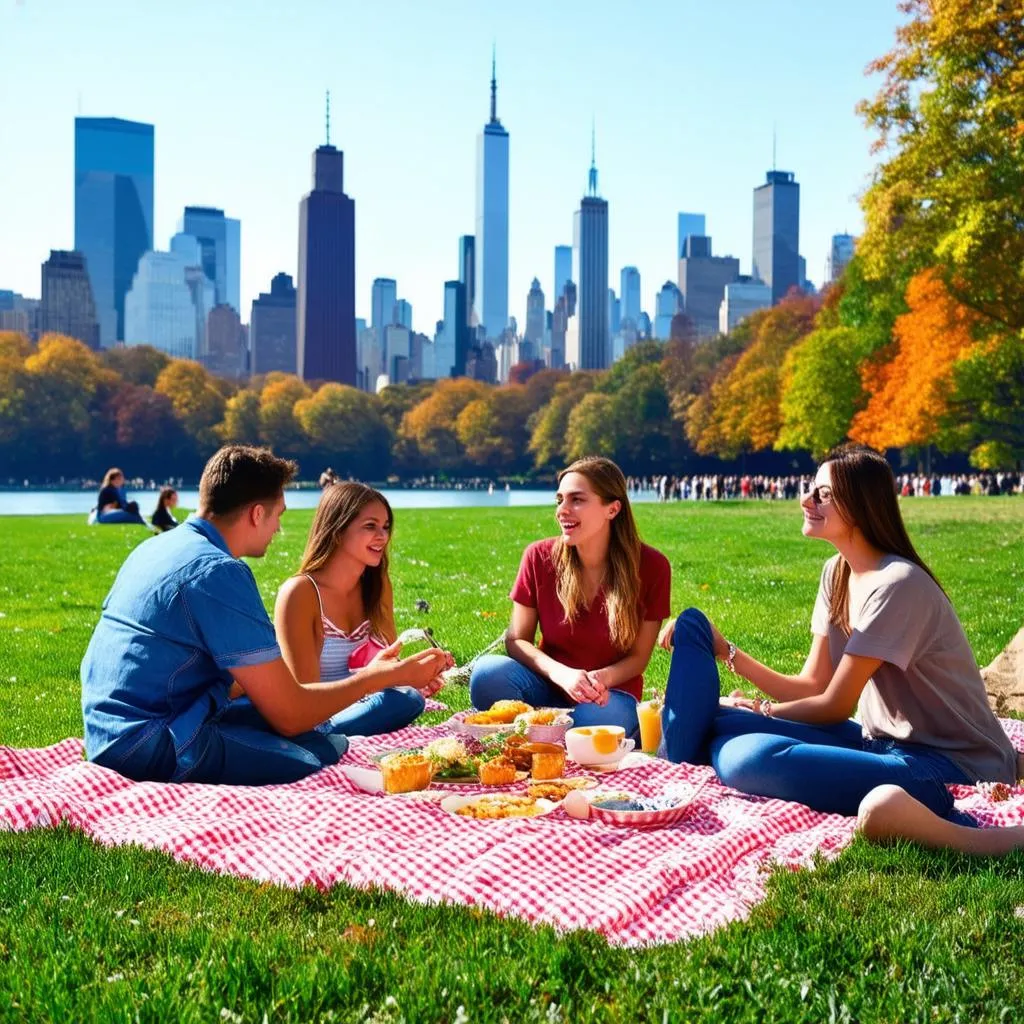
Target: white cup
{"type": "Point", "coordinates": [598, 744]}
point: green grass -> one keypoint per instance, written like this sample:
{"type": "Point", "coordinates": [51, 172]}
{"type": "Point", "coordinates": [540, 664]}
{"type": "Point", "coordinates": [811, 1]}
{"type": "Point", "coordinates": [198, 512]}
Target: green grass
{"type": "Point", "coordinates": [895, 935]}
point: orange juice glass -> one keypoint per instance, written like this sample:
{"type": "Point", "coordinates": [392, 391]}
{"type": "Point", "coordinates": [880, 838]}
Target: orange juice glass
{"type": "Point", "coordinates": [649, 714]}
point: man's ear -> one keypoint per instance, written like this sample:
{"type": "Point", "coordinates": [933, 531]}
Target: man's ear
{"type": "Point", "coordinates": [257, 513]}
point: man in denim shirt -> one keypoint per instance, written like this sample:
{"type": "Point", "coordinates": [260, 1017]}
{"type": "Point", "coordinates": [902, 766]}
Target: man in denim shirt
{"type": "Point", "coordinates": [184, 621]}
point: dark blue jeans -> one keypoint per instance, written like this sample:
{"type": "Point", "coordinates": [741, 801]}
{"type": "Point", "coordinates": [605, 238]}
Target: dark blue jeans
{"type": "Point", "coordinates": [830, 768]}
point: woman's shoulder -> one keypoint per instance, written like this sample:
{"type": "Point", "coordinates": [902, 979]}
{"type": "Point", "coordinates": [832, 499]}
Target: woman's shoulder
{"type": "Point", "coordinates": [297, 595]}
{"type": "Point", "coordinates": [540, 550]}
{"type": "Point", "coordinates": [653, 561]}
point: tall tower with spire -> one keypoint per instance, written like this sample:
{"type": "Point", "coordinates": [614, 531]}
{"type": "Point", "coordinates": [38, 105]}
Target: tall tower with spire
{"type": "Point", "coordinates": [588, 341]}
{"type": "Point", "coordinates": [326, 299]}
{"type": "Point", "coordinates": [491, 294]}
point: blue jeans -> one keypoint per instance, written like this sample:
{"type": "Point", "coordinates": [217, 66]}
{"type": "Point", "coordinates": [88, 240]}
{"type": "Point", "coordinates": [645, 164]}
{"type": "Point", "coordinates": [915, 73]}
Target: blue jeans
{"type": "Point", "coordinates": [496, 677]}
{"type": "Point", "coordinates": [238, 747]}
{"type": "Point", "coordinates": [119, 515]}
{"type": "Point", "coordinates": [830, 768]}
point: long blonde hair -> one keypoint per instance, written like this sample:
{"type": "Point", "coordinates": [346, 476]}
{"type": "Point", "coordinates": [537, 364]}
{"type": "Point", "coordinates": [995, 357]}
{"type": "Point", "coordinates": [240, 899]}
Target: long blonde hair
{"type": "Point", "coordinates": [339, 506]}
{"type": "Point", "coordinates": [622, 575]}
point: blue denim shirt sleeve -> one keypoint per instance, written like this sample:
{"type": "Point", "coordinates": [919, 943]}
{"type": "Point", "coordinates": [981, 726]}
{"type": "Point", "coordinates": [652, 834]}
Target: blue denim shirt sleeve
{"type": "Point", "coordinates": [227, 615]}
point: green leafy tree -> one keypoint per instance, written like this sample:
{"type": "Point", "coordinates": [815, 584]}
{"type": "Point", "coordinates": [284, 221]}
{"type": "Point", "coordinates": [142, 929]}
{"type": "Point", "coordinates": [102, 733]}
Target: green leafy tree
{"type": "Point", "coordinates": [279, 428]}
{"type": "Point", "coordinates": [949, 122]}
{"type": "Point", "coordinates": [241, 423]}
{"type": "Point", "coordinates": [550, 422]}
{"type": "Point", "coordinates": [136, 364]}
{"type": "Point", "coordinates": [822, 389]}
{"type": "Point", "coordinates": [344, 427]}
{"type": "Point", "coordinates": [591, 429]}
{"type": "Point", "coordinates": [493, 429]}
{"type": "Point", "coordinates": [197, 402]}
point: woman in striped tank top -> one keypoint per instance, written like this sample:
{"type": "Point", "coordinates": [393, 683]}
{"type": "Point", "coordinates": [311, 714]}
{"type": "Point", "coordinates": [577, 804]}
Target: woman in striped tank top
{"type": "Point", "coordinates": [338, 612]}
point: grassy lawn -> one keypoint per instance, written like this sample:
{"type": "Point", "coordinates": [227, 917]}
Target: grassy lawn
{"type": "Point", "coordinates": [894, 935]}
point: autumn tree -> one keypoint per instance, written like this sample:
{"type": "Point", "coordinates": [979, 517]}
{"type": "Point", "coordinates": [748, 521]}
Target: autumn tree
{"type": "Point", "coordinates": [431, 423]}
{"type": "Point", "coordinates": [344, 427]}
{"type": "Point", "coordinates": [279, 427]}
{"type": "Point", "coordinates": [241, 423]}
{"type": "Point", "coordinates": [949, 123]}
{"type": "Point", "coordinates": [908, 382]}
{"type": "Point", "coordinates": [197, 402]}
{"type": "Point", "coordinates": [591, 428]}
{"type": "Point", "coordinates": [136, 364]}
{"type": "Point", "coordinates": [493, 429]}
{"type": "Point", "coordinates": [549, 425]}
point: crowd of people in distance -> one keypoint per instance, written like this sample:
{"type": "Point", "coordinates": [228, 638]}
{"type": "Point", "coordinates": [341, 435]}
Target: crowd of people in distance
{"type": "Point", "coordinates": [733, 487]}
{"type": "Point", "coordinates": [187, 679]}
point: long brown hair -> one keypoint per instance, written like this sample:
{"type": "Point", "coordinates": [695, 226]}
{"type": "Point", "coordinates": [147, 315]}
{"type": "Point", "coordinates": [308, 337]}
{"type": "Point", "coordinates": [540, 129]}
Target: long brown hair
{"type": "Point", "coordinates": [864, 495]}
{"type": "Point", "coordinates": [108, 477]}
{"type": "Point", "coordinates": [622, 576]}
{"type": "Point", "coordinates": [339, 507]}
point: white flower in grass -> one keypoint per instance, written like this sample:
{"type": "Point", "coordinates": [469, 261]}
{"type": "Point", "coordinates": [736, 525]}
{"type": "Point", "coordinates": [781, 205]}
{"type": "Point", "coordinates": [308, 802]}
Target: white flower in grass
{"type": "Point", "coordinates": [230, 1016]}
{"type": "Point", "coordinates": [461, 1017]}
{"type": "Point", "coordinates": [1018, 912]}
{"type": "Point", "coordinates": [115, 977]}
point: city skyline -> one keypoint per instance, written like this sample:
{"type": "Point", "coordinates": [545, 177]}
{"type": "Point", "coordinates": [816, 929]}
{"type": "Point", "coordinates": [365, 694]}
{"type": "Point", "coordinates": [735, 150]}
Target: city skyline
{"type": "Point", "coordinates": [408, 229]}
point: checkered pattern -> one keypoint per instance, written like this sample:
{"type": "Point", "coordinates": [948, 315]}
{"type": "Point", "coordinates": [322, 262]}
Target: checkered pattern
{"type": "Point", "coordinates": [636, 887]}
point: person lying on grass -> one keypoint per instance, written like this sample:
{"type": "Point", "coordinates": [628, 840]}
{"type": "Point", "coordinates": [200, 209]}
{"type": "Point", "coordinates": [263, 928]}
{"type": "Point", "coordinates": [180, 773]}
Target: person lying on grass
{"type": "Point", "coordinates": [599, 597]}
{"type": "Point", "coordinates": [886, 636]}
{"type": "Point", "coordinates": [184, 621]}
{"type": "Point", "coordinates": [338, 612]}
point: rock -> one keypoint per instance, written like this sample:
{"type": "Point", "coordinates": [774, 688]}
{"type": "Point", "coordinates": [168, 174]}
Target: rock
{"type": "Point", "coordinates": [1004, 678]}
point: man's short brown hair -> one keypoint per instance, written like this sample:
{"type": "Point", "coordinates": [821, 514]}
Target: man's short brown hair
{"type": "Point", "coordinates": [239, 475]}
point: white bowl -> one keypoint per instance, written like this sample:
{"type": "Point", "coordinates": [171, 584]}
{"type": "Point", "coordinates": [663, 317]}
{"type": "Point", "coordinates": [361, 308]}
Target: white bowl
{"type": "Point", "coordinates": [580, 748]}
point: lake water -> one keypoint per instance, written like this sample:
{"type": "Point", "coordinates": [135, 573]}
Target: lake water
{"type": "Point", "coordinates": [39, 503]}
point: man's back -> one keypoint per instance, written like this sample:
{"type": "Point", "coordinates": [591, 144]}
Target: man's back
{"type": "Point", "coordinates": [180, 614]}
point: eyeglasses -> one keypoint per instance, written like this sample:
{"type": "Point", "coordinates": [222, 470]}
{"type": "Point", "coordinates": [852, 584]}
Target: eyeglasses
{"type": "Point", "coordinates": [820, 495]}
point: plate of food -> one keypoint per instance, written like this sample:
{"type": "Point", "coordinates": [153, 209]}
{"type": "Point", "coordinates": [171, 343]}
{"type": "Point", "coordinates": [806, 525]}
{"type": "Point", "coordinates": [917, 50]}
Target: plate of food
{"type": "Point", "coordinates": [545, 725]}
{"type": "Point", "coordinates": [497, 806]}
{"type": "Point", "coordinates": [499, 717]}
{"type": "Point", "coordinates": [615, 807]}
{"type": "Point", "coordinates": [559, 789]}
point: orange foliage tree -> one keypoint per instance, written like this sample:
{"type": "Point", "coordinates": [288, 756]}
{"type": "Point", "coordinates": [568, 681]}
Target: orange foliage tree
{"type": "Point", "coordinates": [908, 384]}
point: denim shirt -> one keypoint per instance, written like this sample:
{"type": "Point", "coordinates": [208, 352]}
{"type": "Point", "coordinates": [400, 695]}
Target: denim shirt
{"type": "Point", "coordinates": [181, 614]}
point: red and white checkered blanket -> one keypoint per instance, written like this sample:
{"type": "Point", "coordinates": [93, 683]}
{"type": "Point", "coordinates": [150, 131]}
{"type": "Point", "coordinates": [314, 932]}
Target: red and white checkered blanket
{"type": "Point", "coordinates": [636, 887]}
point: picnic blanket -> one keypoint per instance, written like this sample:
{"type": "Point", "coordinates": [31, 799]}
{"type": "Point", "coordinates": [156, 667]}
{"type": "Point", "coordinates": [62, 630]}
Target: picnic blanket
{"type": "Point", "coordinates": [635, 887]}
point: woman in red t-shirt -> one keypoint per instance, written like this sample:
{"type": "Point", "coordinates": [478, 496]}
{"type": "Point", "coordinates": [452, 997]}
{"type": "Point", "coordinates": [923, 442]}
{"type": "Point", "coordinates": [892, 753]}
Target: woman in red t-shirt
{"type": "Point", "coordinates": [598, 595]}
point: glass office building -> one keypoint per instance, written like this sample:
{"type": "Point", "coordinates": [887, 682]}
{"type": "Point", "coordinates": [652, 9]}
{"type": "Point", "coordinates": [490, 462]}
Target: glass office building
{"type": "Point", "coordinates": [113, 210]}
{"type": "Point", "coordinates": [220, 239]}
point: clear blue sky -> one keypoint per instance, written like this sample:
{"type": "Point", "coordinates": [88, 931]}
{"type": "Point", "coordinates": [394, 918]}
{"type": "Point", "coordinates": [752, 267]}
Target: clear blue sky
{"type": "Point", "coordinates": [685, 94]}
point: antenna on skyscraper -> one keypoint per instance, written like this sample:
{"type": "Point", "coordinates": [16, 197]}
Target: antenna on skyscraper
{"type": "Point", "coordinates": [774, 133]}
{"type": "Point", "coordinates": [328, 117]}
{"type": "Point", "coordinates": [592, 177]}
{"type": "Point", "coordinates": [494, 82]}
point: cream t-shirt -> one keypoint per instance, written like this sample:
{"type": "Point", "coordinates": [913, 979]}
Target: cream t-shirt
{"type": "Point", "coordinates": [928, 689]}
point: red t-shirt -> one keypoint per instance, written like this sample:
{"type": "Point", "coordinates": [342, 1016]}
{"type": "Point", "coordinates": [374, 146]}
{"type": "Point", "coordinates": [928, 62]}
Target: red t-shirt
{"type": "Point", "coordinates": [586, 643]}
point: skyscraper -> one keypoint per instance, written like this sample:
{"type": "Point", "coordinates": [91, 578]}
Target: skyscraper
{"type": "Point", "coordinates": [689, 224]}
{"type": "Point", "coordinates": [219, 238]}
{"type": "Point", "coordinates": [629, 295]}
{"type": "Point", "coordinates": [113, 210]}
{"type": "Point", "coordinates": [226, 350]}
{"type": "Point", "coordinates": [840, 255]}
{"type": "Point", "coordinates": [563, 270]}
{"type": "Point", "coordinates": [491, 301]}
{"type": "Point", "coordinates": [702, 281]}
{"type": "Point", "coordinates": [776, 257]}
{"type": "Point", "coordinates": [590, 258]}
{"type": "Point", "coordinates": [382, 304]}
{"type": "Point", "coordinates": [272, 328]}
{"type": "Point", "coordinates": [170, 300]}
{"type": "Point", "coordinates": [467, 275]}
{"type": "Point", "coordinates": [668, 303]}
{"type": "Point", "coordinates": [450, 351]}
{"type": "Point", "coordinates": [534, 332]}
{"type": "Point", "coordinates": [326, 313]}
{"type": "Point", "coordinates": [66, 305]}
{"type": "Point", "coordinates": [403, 313]}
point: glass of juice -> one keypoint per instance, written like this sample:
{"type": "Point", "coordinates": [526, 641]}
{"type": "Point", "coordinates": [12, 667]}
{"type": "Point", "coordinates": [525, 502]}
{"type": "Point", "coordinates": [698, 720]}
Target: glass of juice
{"type": "Point", "coordinates": [649, 714]}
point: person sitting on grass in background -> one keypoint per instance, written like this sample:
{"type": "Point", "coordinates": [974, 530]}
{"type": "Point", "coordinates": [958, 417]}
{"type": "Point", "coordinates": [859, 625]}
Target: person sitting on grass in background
{"type": "Point", "coordinates": [599, 596]}
{"type": "Point", "coordinates": [886, 636]}
{"type": "Point", "coordinates": [338, 612]}
{"type": "Point", "coordinates": [184, 621]}
{"type": "Point", "coordinates": [112, 504]}
{"type": "Point", "coordinates": [163, 516]}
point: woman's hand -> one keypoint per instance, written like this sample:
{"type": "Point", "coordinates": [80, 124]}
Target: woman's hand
{"type": "Point", "coordinates": [667, 634]}
{"type": "Point", "coordinates": [721, 645]}
{"type": "Point", "coordinates": [579, 687]}
{"type": "Point", "coordinates": [418, 670]}
{"type": "Point", "coordinates": [598, 678]}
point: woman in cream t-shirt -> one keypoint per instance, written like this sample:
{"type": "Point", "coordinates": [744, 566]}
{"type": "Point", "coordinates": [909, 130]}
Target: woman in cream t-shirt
{"type": "Point", "coordinates": [886, 640]}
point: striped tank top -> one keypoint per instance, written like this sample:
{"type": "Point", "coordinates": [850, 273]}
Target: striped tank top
{"type": "Point", "coordinates": [338, 645]}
